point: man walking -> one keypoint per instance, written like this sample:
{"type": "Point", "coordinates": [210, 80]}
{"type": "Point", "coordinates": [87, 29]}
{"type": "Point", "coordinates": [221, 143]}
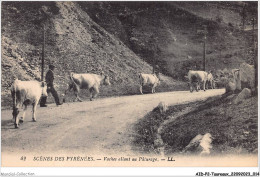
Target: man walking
{"type": "Point", "coordinates": [50, 88]}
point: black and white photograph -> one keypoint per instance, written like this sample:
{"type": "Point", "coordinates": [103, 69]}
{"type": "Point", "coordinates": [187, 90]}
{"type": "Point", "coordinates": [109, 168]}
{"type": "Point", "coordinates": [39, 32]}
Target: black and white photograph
{"type": "Point", "coordinates": [129, 84]}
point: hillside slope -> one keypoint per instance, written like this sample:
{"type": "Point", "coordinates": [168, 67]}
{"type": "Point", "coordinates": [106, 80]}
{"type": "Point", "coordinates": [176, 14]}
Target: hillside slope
{"type": "Point", "coordinates": [169, 33]}
{"type": "Point", "coordinates": [74, 42]}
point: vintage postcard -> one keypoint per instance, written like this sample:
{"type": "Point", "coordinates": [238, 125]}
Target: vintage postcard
{"type": "Point", "coordinates": [130, 84]}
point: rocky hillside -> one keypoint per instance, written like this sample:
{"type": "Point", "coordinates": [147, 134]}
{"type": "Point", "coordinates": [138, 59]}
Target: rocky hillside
{"type": "Point", "coordinates": [74, 42]}
{"type": "Point", "coordinates": [170, 33]}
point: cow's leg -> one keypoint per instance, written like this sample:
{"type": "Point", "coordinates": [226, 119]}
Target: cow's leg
{"type": "Point", "coordinates": [141, 89]}
{"type": "Point", "coordinates": [14, 114]}
{"type": "Point", "coordinates": [14, 106]}
{"type": "Point", "coordinates": [15, 117]}
{"type": "Point", "coordinates": [191, 89]}
{"type": "Point", "coordinates": [76, 92]}
{"type": "Point", "coordinates": [91, 93]}
{"type": "Point", "coordinates": [207, 84]}
{"type": "Point", "coordinates": [211, 83]}
{"type": "Point", "coordinates": [95, 93]}
{"type": "Point", "coordinates": [16, 124]}
{"type": "Point", "coordinates": [197, 86]}
{"type": "Point", "coordinates": [34, 105]}
{"type": "Point", "coordinates": [66, 92]}
{"type": "Point", "coordinates": [78, 98]}
{"type": "Point", "coordinates": [204, 85]}
{"type": "Point", "coordinates": [16, 100]}
{"type": "Point", "coordinates": [153, 88]}
{"type": "Point", "coordinates": [24, 111]}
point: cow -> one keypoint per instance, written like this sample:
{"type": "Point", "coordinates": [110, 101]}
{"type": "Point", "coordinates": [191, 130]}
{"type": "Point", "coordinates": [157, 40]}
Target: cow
{"type": "Point", "coordinates": [88, 81]}
{"type": "Point", "coordinates": [210, 81]}
{"type": "Point", "coordinates": [25, 93]}
{"type": "Point", "coordinates": [197, 77]}
{"type": "Point", "coordinates": [148, 80]}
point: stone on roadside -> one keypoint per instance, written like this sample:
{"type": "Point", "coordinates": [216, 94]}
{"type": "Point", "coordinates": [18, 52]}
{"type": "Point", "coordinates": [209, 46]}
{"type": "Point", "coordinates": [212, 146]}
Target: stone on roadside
{"type": "Point", "coordinates": [200, 144]}
{"type": "Point", "coordinates": [230, 87]}
{"type": "Point", "coordinates": [244, 94]}
{"type": "Point", "coordinates": [163, 107]}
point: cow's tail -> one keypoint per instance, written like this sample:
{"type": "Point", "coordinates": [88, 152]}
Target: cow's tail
{"type": "Point", "coordinates": [140, 78]}
{"type": "Point", "coordinates": [73, 84]}
{"type": "Point", "coordinates": [14, 94]}
{"type": "Point", "coordinates": [72, 79]}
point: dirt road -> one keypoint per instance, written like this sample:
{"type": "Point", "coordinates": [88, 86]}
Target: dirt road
{"type": "Point", "coordinates": [102, 126]}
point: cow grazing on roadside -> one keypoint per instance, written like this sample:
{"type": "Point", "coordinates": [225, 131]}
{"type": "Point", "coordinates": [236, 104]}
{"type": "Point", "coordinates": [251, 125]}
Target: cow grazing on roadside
{"type": "Point", "coordinates": [197, 77]}
{"type": "Point", "coordinates": [91, 82]}
{"type": "Point", "coordinates": [148, 80]}
{"type": "Point", "coordinates": [25, 93]}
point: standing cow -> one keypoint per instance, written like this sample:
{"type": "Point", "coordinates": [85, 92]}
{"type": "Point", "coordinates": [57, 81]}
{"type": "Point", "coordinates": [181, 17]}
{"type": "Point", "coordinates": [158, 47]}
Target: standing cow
{"type": "Point", "coordinates": [25, 93]}
{"type": "Point", "coordinates": [197, 77]}
{"type": "Point", "coordinates": [149, 80]}
{"type": "Point", "coordinates": [91, 82]}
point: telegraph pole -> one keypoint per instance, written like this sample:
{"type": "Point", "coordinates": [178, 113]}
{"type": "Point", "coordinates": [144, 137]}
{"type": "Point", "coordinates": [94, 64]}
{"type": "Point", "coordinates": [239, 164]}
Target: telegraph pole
{"type": "Point", "coordinates": [204, 32]}
{"type": "Point", "coordinates": [204, 54]}
{"type": "Point", "coordinates": [43, 47]}
{"type": "Point", "coordinates": [204, 48]}
{"type": "Point", "coordinates": [255, 58]}
{"type": "Point", "coordinates": [153, 43]}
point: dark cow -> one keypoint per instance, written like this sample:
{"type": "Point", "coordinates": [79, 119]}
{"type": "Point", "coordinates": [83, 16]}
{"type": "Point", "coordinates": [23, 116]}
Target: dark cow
{"type": "Point", "coordinates": [149, 80]}
{"type": "Point", "coordinates": [91, 82]}
{"type": "Point", "coordinates": [25, 93]}
{"type": "Point", "coordinates": [197, 77]}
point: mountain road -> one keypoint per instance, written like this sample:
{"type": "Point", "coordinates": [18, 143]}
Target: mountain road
{"type": "Point", "coordinates": [103, 126]}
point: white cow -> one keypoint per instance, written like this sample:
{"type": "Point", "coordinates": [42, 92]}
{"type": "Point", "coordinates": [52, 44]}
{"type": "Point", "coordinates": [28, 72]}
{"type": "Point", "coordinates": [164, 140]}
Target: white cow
{"type": "Point", "coordinates": [197, 77]}
{"type": "Point", "coordinates": [149, 80]}
{"type": "Point", "coordinates": [25, 93]}
{"type": "Point", "coordinates": [91, 82]}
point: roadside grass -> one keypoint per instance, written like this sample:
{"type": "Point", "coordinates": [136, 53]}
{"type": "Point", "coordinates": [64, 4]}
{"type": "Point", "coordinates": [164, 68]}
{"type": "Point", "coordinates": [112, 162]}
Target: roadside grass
{"type": "Point", "coordinates": [233, 127]}
{"type": "Point", "coordinates": [146, 129]}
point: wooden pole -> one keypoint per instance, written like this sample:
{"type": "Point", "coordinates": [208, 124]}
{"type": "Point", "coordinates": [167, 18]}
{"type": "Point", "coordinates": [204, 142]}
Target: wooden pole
{"type": "Point", "coordinates": [204, 55]}
{"type": "Point", "coordinates": [43, 47]}
{"type": "Point", "coordinates": [253, 36]}
{"type": "Point", "coordinates": [255, 58]}
{"type": "Point", "coordinates": [204, 49]}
